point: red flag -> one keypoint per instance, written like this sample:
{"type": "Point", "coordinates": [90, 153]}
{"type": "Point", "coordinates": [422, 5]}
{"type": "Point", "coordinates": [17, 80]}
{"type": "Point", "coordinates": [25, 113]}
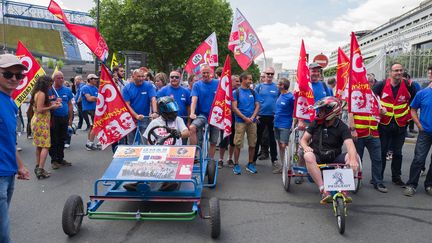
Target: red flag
{"type": "Point", "coordinates": [342, 73]}
{"type": "Point", "coordinates": [243, 41]}
{"type": "Point", "coordinates": [304, 95]}
{"type": "Point", "coordinates": [361, 98]}
{"type": "Point", "coordinates": [220, 112]}
{"type": "Point", "coordinates": [88, 35]}
{"type": "Point", "coordinates": [206, 53]}
{"type": "Point", "coordinates": [34, 70]}
{"type": "Point", "coordinates": [112, 119]}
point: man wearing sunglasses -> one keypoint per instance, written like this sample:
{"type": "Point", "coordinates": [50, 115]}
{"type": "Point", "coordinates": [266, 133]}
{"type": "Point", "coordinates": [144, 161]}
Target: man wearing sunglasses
{"type": "Point", "coordinates": [11, 73]}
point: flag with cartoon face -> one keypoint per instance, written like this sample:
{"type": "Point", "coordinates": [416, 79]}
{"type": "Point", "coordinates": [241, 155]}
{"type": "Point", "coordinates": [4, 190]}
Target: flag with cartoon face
{"type": "Point", "coordinates": [206, 53]}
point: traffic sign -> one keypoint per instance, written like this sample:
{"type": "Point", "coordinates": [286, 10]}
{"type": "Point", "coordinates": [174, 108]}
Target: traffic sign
{"type": "Point", "coordinates": [322, 60]}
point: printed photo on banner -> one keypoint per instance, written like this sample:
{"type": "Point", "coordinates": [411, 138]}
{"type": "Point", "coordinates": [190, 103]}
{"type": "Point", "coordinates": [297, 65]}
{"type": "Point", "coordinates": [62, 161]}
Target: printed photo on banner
{"type": "Point", "coordinates": [127, 152]}
{"type": "Point", "coordinates": [149, 170]}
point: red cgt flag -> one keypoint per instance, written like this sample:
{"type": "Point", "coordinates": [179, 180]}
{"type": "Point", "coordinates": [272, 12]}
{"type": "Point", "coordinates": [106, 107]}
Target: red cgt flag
{"type": "Point", "coordinates": [304, 95]}
{"type": "Point", "coordinates": [342, 73]}
{"type": "Point", "coordinates": [243, 41]}
{"type": "Point", "coordinates": [33, 72]}
{"type": "Point", "coordinates": [361, 99]}
{"type": "Point", "coordinates": [112, 119]}
{"type": "Point", "coordinates": [206, 53]}
{"type": "Point", "coordinates": [220, 112]}
{"type": "Point", "coordinates": [88, 35]}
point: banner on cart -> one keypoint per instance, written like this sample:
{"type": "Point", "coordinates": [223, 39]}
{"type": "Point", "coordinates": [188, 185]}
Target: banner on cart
{"type": "Point", "coordinates": [339, 180]}
{"type": "Point", "coordinates": [156, 162]}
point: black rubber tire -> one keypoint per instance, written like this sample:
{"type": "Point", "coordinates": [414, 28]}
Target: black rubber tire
{"type": "Point", "coordinates": [71, 222]}
{"type": "Point", "coordinates": [286, 180]}
{"type": "Point", "coordinates": [211, 171]}
{"type": "Point", "coordinates": [340, 215]}
{"type": "Point", "coordinates": [357, 183]}
{"type": "Point", "coordinates": [215, 222]}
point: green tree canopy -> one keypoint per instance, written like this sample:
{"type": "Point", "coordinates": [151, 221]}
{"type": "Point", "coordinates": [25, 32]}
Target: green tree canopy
{"type": "Point", "coordinates": [169, 31]}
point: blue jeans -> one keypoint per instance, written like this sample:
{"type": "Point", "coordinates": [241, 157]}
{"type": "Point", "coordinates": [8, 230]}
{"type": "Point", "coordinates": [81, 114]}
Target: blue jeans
{"type": "Point", "coordinates": [6, 191]}
{"type": "Point", "coordinates": [373, 145]}
{"type": "Point", "coordinates": [392, 138]}
{"type": "Point", "coordinates": [423, 145]}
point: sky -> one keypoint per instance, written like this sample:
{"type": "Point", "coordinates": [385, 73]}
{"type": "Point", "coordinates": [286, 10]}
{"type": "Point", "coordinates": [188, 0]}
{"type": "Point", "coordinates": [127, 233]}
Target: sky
{"type": "Point", "coordinates": [281, 25]}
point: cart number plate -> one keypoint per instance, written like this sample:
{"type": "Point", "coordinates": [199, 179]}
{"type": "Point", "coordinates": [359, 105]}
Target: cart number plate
{"type": "Point", "coordinates": [339, 180]}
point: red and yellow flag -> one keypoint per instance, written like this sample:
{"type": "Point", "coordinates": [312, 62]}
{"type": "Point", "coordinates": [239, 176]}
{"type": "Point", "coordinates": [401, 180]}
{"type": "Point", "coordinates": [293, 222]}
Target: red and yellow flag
{"type": "Point", "coordinates": [304, 96]}
{"type": "Point", "coordinates": [342, 73]}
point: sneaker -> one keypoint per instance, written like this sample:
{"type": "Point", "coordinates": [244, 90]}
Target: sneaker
{"type": "Point", "coordinates": [409, 191]}
{"type": "Point", "coordinates": [326, 198]}
{"type": "Point", "coordinates": [29, 137]}
{"type": "Point", "coordinates": [381, 188]}
{"type": "Point", "coordinates": [65, 163]}
{"type": "Point", "coordinates": [90, 147]}
{"type": "Point", "coordinates": [398, 182]}
{"type": "Point", "coordinates": [277, 169]}
{"type": "Point", "coordinates": [237, 169]}
{"type": "Point", "coordinates": [55, 165]}
{"type": "Point", "coordinates": [251, 168]}
{"type": "Point", "coordinates": [423, 173]}
{"type": "Point", "coordinates": [130, 187]}
{"type": "Point", "coordinates": [264, 156]}
{"type": "Point", "coordinates": [19, 149]}
{"type": "Point", "coordinates": [429, 190]}
{"type": "Point", "coordinates": [348, 199]}
{"type": "Point", "coordinates": [220, 164]}
{"type": "Point", "coordinates": [230, 163]}
{"type": "Point", "coordinates": [67, 145]}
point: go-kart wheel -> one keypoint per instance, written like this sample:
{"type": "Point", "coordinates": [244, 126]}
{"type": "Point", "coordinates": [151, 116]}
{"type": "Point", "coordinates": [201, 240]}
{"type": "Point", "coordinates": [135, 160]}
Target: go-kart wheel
{"type": "Point", "coordinates": [211, 171]}
{"type": "Point", "coordinates": [358, 178]}
{"type": "Point", "coordinates": [73, 213]}
{"type": "Point", "coordinates": [154, 138]}
{"type": "Point", "coordinates": [340, 214]}
{"type": "Point", "coordinates": [286, 180]}
{"type": "Point", "coordinates": [215, 223]}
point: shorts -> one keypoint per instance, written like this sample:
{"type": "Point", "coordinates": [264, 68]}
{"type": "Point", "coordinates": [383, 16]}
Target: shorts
{"type": "Point", "coordinates": [228, 140]}
{"type": "Point", "coordinates": [340, 159]}
{"type": "Point", "coordinates": [282, 134]}
{"type": "Point", "coordinates": [90, 113]}
{"type": "Point", "coordinates": [200, 123]}
{"type": "Point", "coordinates": [251, 131]}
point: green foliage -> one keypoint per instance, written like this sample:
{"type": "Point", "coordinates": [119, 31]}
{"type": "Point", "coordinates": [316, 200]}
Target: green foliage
{"type": "Point", "coordinates": [330, 72]}
{"type": "Point", "coordinates": [39, 60]}
{"type": "Point", "coordinates": [60, 64]}
{"type": "Point", "coordinates": [50, 63]}
{"type": "Point", "coordinates": [169, 31]}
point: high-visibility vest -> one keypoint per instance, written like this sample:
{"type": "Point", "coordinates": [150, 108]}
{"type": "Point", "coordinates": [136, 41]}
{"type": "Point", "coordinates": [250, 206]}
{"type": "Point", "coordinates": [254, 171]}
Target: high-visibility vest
{"type": "Point", "coordinates": [366, 125]}
{"type": "Point", "coordinates": [396, 108]}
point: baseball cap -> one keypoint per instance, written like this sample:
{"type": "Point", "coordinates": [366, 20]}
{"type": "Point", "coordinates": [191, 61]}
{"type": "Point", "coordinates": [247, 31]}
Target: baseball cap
{"type": "Point", "coordinates": [314, 65]}
{"type": "Point", "coordinates": [91, 75]}
{"type": "Point", "coordinates": [9, 60]}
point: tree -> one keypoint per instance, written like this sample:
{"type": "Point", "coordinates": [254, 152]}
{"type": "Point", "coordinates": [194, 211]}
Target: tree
{"type": "Point", "coordinates": [50, 63]}
{"type": "Point", "coordinates": [169, 31]}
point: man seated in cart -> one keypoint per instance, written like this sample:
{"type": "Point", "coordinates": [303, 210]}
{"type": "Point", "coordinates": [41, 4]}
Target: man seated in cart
{"type": "Point", "coordinates": [167, 127]}
{"type": "Point", "coordinates": [322, 142]}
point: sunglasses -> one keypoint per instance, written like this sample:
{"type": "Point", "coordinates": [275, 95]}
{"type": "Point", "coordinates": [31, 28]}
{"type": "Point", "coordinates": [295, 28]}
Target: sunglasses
{"type": "Point", "coordinates": [270, 74]}
{"type": "Point", "coordinates": [9, 75]}
{"type": "Point", "coordinates": [174, 77]}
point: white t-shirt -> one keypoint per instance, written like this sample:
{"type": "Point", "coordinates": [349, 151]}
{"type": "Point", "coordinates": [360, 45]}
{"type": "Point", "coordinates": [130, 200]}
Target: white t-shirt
{"type": "Point", "coordinates": [178, 124]}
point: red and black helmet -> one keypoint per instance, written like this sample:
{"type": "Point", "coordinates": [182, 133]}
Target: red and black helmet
{"type": "Point", "coordinates": [327, 108]}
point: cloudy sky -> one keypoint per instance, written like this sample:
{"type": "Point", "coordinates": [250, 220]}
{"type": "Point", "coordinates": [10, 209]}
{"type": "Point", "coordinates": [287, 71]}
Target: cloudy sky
{"type": "Point", "coordinates": [323, 24]}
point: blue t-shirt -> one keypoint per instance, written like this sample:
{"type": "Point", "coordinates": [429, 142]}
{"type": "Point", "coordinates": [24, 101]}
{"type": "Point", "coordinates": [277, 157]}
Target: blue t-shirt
{"type": "Point", "coordinates": [246, 105]}
{"type": "Point", "coordinates": [8, 120]}
{"type": "Point", "coordinates": [319, 91]}
{"type": "Point", "coordinates": [205, 91]}
{"type": "Point", "coordinates": [180, 94]}
{"type": "Point", "coordinates": [139, 97]}
{"type": "Point", "coordinates": [284, 111]}
{"type": "Point", "coordinates": [78, 91]}
{"type": "Point", "coordinates": [66, 95]}
{"type": "Point", "coordinates": [92, 91]}
{"type": "Point", "coordinates": [267, 96]}
{"type": "Point", "coordinates": [423, 101]}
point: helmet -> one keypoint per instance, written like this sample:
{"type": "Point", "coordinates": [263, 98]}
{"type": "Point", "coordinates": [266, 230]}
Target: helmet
{"type": "Point", "coordinates": [327, 108]}
{"type": "Point", "coordinates": [168, 108]}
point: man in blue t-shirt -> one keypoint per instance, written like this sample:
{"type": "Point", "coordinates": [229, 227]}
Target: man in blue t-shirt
{"type": "Point", "coordinates": [180, 94]}
{"type": "Point", "coordinates": [89, 95]}
{"type": "Point", "coordinates": [79, 84]}
{"type": "Point", "coordinates": [203, 92]}
{"type": "Point", "coordinates": [140, 96]}
{"type": "Point", "coordinates": [245, 107]}
{"type": "Point", "coordinates": [267, 93]}
{"type": "Point", "coordinates": [422, 101]}
{"type": "Point", "coordinates": [11, 72]}
{"type": "Point", "coordinates": [61, 119]}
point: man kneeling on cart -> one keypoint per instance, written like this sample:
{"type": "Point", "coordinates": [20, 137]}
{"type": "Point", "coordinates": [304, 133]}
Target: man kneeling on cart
{"type": "Point", "coordinates": [173, 128]}
{"type": "Point", "coordinates": [328, 134]}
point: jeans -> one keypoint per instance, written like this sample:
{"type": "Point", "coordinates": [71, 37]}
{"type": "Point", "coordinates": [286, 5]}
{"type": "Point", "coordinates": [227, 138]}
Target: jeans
{"type": "Point", "coordinates": [373, 145]}
{"type": "Point", "coordinates": [263, 122]}
{"type": "Point", "coordinates": [392, 137]}
{"type": "Point", "coordinates": [81, 116]}
{"type": "Point", "coordinates": [142, 125]}
{"type": "Point", "coordinates": [423, 145]}
{"type": "Point", "coordinates": [59, 135]}
{"type": "Point", "coordinates": [6, 191]}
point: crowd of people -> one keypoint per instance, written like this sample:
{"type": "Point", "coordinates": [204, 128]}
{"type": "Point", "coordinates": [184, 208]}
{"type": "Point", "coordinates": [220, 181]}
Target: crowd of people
{"type": "Point", "coordinates": [263, 111]}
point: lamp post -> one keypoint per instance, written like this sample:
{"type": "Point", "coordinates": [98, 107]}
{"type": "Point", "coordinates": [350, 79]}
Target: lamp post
{"type": "Point", "coordinates": [97, 27]}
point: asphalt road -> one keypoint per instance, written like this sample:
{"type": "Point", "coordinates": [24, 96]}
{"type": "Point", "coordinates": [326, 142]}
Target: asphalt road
{"type": "Point", "coordinates": [254, 208]}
